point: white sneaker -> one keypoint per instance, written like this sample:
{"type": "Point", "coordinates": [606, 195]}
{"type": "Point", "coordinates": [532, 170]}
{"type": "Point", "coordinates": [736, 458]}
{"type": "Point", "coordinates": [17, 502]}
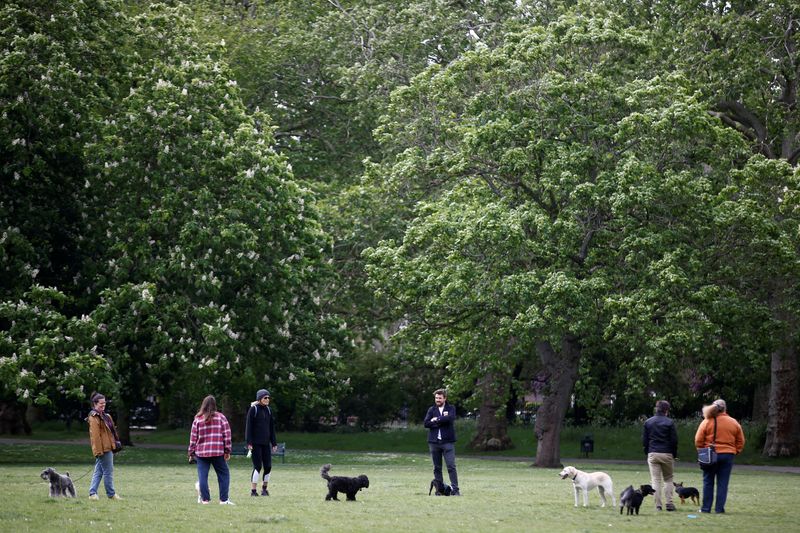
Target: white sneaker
{"type": "Point", "coordinates": [227, 502]}
{"type": "Point", "coordinates": [94, 497]}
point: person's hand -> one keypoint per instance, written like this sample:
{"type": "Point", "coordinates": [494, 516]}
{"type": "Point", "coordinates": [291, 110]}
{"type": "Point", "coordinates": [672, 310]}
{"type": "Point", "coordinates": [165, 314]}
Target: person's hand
{"type": "Point", "coordinates": [249, 446]}
{"type": "Point", "coordinates": [275, 448]}
{"type": "Point", "coordinates": [227, 456]}
{"type": "Point", "coordinates": [435, 419]}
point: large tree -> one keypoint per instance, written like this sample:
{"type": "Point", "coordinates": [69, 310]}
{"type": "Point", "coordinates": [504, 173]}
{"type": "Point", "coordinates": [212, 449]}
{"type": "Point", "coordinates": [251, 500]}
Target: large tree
{"type": "Point", "coordinates": [552, 181]}
{"type": "Point", "coordinates": [744, 57]}
{"type": "Point", "coordinates": [200, 229]}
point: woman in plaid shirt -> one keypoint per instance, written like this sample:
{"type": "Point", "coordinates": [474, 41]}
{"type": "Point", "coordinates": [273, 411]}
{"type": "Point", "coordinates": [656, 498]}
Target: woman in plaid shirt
{"type": "Point", "coordinates": [210, 444]}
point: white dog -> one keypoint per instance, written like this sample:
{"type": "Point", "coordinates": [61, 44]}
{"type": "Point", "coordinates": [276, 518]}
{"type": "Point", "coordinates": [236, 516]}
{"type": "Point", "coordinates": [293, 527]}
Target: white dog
{"type": "Point", "coordinates": [585, 481]}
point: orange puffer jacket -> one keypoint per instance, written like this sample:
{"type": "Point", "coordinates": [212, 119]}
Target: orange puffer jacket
{"type": "Point", "coordinates": [730, 437]}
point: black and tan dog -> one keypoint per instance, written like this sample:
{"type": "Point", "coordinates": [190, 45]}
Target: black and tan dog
{"type": "Point", "coordinates": [632, 499]}
{"type": "Point", "coordinates": [687, 492]}
{"type": "Point", "coordinates": [59, 485]}
{"type": "Point", "coordinates": [346, 485]}
{"type": "Point", "coordinates": [442, 489]}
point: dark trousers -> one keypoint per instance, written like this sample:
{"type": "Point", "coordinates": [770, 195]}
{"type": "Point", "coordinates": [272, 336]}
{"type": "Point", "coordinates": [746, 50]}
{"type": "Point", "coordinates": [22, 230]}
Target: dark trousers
{"type": "Point", "coordinates": [448, 451]}
{"type": "Point", "coordinates": [721, 472]}
{"type": "Point", "coordinates": [262, 458]}
{"type": "Point", "coordinates": [204, 464]}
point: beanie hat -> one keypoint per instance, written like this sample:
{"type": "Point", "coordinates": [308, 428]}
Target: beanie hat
{"type": "Point", "coordinates": [261, 393]}
{"type": "Point", "coordinates": [721, 405]}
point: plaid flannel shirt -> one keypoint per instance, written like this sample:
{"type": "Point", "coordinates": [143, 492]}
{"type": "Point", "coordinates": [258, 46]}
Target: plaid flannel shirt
{"type": "Point", "coordinates": [210, 439]}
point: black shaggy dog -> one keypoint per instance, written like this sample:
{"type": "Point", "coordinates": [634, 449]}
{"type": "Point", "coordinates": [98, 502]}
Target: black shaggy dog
{"type": "Point", "coordinates": [632, 499]}
{"type": "Point", "coordinates": [59, 485]}
{"type": "Point", "coordinates": [442, 489]}
{"type": "Point", "coordinates": [346, 485]}
{"type": "Point", "coordinates": [687, 492]}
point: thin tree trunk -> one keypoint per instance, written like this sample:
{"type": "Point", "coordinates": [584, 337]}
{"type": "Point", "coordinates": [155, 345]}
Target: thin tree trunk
{"type": "Point", "coordinates": [562, 370]}
{"type": "Point", "coordinates": [124, 424]}
{"type": "Point", "coordinates": [492, 432]}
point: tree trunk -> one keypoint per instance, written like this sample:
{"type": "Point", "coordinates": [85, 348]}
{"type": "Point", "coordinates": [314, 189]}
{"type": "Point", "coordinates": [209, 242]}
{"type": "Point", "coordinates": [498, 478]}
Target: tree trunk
{"type": "Point", "coordinates": [492, 433]}
{"type": "Point", "coordinates": [124, 425]}
{"type": "Point", "coordinates": [783, 429]}
{"type": "Point", "coordinates": [562, 373]}
{"type": "Point", "coordinates": [12, 419]}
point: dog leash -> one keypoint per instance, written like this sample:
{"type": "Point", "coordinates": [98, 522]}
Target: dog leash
{"type": "Point", "coordinates": [84, 475]}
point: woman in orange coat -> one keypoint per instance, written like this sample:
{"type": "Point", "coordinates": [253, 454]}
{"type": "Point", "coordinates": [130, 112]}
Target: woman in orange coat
{"type": "Point", "coordinates": [103, 437]}
{"type": "Point", "coordinates": [728, 442]}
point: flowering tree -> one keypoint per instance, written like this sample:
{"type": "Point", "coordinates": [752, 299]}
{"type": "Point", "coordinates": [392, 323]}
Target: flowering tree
{"type": "Point", "coordinates": [46, 356]}
{"type": "Point", "coordinates": [207, 250]}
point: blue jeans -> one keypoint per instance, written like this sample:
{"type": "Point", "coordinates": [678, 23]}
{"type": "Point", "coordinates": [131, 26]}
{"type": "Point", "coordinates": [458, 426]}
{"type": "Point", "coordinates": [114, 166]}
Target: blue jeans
{"type": "Point", "coordinates": [103, 468]}
{"type": "Point", "coordinates": [448, 451]}
{"type": "Point", "coordinates": [722, 473]}
{"type": "Point", "coordinates": [223, 476]}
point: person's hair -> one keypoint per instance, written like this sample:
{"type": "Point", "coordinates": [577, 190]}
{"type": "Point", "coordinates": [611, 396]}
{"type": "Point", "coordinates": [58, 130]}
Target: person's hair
{"type": "Point", "coordinates": [96, 397]}
{"type": "Point", "coordinates": [662, 407]}
{"type": "Point", "coordinates": [208, 408]}
{"type": "Point", "coordinates": [443, 392]}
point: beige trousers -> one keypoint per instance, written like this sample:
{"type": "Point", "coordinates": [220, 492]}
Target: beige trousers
{"type": "Point", "coordinates": [661, 469]}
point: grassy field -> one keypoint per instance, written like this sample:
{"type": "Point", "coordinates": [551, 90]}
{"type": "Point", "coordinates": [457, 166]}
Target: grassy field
{"type": "Point", "coordinates": [610, 442]}
{"type": "Point", "coordinates": [158, 493]}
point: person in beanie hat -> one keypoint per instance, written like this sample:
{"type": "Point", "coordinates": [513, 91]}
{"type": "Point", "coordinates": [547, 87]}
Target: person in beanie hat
{"type": "Point", "coordinates": [261, 441]}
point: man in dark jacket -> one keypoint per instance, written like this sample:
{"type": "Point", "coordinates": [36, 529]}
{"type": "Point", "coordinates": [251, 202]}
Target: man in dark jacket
{"type": "Point", "coordinates": [440, 421]}
{"type": "Point", "coordinates": [261, 440]}
{"type": "Point", "coordinates": [660, 441]}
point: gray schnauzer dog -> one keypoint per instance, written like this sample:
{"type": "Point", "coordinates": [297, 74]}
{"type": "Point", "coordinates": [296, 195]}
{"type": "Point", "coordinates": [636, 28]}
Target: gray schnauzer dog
{"type": "Point", "coordinates": [59, 485]}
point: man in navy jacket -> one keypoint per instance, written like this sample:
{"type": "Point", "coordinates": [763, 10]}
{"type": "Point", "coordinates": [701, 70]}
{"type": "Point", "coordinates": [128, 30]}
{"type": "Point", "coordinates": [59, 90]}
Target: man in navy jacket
{"type": "Point", "coordinates": [660, 442]}
{"type": "Point", "coordinates": [440, 421]}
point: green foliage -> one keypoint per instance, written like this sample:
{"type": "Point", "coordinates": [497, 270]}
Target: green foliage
{"type": "Point", "coordinates": [46, 356]}
{"type": "Point", "coordinates": [59, 67]}
{"type": "Point", "coordinates": [203, 232]}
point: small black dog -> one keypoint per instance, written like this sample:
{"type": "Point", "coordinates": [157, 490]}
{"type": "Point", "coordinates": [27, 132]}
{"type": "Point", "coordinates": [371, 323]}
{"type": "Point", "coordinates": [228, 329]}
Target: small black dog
{"type": "Point", "coordinates": [687, 492]}
{"type": "Point", "coordinates": [442, 489]}
{"type": "Point", "coordinates": [59, 485]}
{"type": "Point", "coordinates": [632, 499]}
{"type": "Point", "coordinates": [346, 485]}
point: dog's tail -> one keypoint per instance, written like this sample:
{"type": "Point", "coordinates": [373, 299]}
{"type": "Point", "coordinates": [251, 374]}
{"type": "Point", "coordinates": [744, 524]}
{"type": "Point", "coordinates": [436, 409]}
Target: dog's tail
{"type": "Point", "coordinates": [323, 472]}
{"type": "Point", "coordinates": [430, 490]}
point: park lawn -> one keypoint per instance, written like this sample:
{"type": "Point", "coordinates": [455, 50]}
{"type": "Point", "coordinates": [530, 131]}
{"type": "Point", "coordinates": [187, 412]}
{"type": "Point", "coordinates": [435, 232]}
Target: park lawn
{"type": "Point", "coordinates": [158, 493]}
{"type": "Point", "coordinates": [610, 442]}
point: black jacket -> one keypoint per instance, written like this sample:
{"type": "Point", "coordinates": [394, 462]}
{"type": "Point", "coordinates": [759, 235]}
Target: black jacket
{"type": "Point", "coordinates": [260, 426]}
{"type": "Point", "coordinates": [660, 436]}
{"type": "Point", "coordinates": [445, 423]}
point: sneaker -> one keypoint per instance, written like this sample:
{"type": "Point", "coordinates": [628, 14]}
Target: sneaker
{"type": "Point", "coordinates": [226, 502]}
{"type": "Point", "coordinates": [455, 493]}
{"type": "Point", "coordinates": [253, 492]}
{"type": "Point", "coordinates": [94, 497]}
{"type": "Point", "coordinates": [264, 492]}
{"type": "Point", "coordinates": [204, 502]}
{"type": "Point", "coordinates": [114, 497]}
{"type": "Point", "coordinates": [670, 507]}
{"type": "Point", "coordinates": [658, 507]}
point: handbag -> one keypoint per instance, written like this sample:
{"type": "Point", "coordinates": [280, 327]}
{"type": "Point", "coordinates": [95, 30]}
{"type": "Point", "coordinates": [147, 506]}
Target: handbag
{"type": "Point", "coordinates": [707, 457]}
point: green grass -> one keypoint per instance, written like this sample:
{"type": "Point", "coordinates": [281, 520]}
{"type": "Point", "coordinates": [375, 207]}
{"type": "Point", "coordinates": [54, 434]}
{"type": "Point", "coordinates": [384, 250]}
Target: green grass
{"type": "Point", "coordinates": [157, 487]}
{"type": "Point", "coordinates": [615, 443]}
